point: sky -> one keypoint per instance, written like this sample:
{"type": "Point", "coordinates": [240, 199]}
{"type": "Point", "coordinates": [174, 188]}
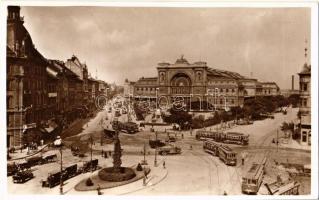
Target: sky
{"type": "Point", "coordinates": [119, 43]}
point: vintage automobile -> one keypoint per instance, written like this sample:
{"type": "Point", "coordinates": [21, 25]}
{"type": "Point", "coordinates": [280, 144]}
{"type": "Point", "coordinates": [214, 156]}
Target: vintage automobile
{"type": "Point", "coordinates": [170, 139]}
{"type": "Point", "coordinates": [35, 160]}
{"type": "Point", "coordinates": [87, 166]}
{"type": "Point", "coordinates": [12, 168]}
{"type": "Point", "coordinates": [156, 143]}
{"type": "Point", "coordinates": [54, 179]}
{"type": "Point", "coordinates": [24, 165]}
{"type": "Point", "coordinates": [169, 149]}
{"type": "Point", "coordinates": [22, 176]}
{"type": "Point", "coordinates": [108, 133]}
{"type": "Point", "coordinates": [50, 158]}
{"type": "Point", "coordinates": [71, 171]}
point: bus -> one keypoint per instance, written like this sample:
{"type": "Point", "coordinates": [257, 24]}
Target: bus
{"type": "Point", "coordinates": [253, 178]}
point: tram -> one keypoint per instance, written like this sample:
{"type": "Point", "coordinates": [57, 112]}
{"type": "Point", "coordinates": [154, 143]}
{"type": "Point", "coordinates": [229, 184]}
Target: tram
{"type": "Point", "coordinates": [211, 147]}
{"type": "Point", "coordinates": [283, 188]}
{"type": "Point", "coordinates": [225, 153]}
{"type": "Point", "coordinates": [253, 178]}
{"type": "Point", "coordinates": [225, 137]}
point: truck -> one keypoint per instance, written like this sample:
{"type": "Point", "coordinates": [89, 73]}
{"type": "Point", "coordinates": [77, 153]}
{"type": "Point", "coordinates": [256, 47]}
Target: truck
{"type": "Point", "coordinates": [169, 149]}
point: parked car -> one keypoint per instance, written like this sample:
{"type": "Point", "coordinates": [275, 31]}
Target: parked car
{"type": "Point", "coordinates": [22, 176]}
{"type": "Point", "coordinates": [12, 168]}
{"type": "Point", "coordinates": [87, 166]}
{"type": "Point", "coordinates": [54, 179]}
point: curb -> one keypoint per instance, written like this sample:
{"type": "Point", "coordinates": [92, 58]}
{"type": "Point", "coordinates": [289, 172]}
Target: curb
{"type": "Point", "coordinates": [147, 186]}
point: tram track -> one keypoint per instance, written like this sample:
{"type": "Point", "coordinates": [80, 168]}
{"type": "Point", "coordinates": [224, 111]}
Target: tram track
{"type": "Point", "coordinates": [209, 163]}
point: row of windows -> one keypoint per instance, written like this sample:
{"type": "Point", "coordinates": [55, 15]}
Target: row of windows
{"type": "Point", "coordinates": [222, 101]}
{"type": "Point", "coordinates": [220, 82]}
{"type": "Point", "coordinates": [145, 89]}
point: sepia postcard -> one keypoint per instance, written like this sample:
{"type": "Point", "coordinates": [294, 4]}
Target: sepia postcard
{"type": "Point", "coordinates": [162, 99]}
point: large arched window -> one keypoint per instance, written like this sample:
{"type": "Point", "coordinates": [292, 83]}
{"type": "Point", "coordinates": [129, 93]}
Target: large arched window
{"type": "Point", "coordinates": [181, 84]}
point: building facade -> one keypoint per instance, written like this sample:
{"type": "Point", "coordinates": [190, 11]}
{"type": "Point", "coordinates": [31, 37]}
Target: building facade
{"type": "Point", "coordinates": [305, 104]}
{"type": "Point", "coordinates": [41, 93]}
{"type": "Point", "coordinates": [196, 82]}
{"type": "Point", "coordinates": [26, 81]}
{"type": "Point", "coordinates": [128, 88]}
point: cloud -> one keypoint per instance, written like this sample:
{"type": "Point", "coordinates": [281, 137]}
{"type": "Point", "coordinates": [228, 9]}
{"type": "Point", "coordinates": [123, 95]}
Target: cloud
{"type": "Point", "coordinates": [129, 42]}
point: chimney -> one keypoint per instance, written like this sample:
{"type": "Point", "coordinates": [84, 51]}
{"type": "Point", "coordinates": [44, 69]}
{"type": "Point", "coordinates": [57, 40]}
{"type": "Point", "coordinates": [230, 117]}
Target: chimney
{"type": "Point", "coordinates": [292, 82]}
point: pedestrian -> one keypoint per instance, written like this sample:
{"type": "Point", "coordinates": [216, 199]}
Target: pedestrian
{"type": "Point", "coordinates": [145, 173]}
{"type": "Point", "coordinates": [105, 154]}
{"type": "Point", "coordinates": [144, 181]}
{"type": "Point", "coordinates": [191, 147]}
{"type": "Point", "coordinates": [98, 189]}
{"type": "Point", "coordinates": [164, 164]}
{"type": "Point", "coordinates": [182, 136]}
{"type": "Point", "coordinates": [243, 155]}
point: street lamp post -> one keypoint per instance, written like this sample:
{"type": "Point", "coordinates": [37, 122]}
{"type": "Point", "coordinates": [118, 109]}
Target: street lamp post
{"type": "Point", "coordinates": [155, 159]}
{"type": "Point", "coordinates": [144, 153]}
{"type": "Point", "coordinates": [61, 174]}
{"type": "Point", "coordinates": [58, 143]}
{"type": "Point", "coordinates": [91, 141]}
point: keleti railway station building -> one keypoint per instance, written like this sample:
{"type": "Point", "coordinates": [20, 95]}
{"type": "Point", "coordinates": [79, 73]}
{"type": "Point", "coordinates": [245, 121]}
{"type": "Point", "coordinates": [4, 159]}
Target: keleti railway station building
{"type": "Point", "coordinates": [197, 82]}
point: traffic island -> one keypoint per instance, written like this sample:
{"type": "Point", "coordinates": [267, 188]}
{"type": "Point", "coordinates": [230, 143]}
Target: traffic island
{"type": "Point", "coordinates": [113, 176]}
{"type": "Point", "coordinates": [102, 180]}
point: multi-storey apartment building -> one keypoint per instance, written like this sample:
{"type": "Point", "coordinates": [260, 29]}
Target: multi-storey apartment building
{"type": "Point", "coordinates": [26, 81]}
{"type": "Point", "coordinates": [305, 104]}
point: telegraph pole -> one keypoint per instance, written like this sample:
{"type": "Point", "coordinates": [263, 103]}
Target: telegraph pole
{"type": "Point", "coordinates": [277, 140]}
{"type": "Point", "coordinates": [91, 140]}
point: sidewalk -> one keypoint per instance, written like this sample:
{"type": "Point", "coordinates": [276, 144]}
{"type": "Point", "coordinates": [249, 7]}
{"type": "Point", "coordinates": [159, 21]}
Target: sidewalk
{"type": "Point", "coordinates": [18, 155]}
{"type": "Point", "coordinates": [295, 145]}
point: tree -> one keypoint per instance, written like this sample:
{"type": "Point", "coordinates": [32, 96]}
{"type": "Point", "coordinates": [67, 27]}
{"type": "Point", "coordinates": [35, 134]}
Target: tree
{"type": "Point", "coordinates": [179, 117]}
{"type": "Point", "coordinates": [294, 100]}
